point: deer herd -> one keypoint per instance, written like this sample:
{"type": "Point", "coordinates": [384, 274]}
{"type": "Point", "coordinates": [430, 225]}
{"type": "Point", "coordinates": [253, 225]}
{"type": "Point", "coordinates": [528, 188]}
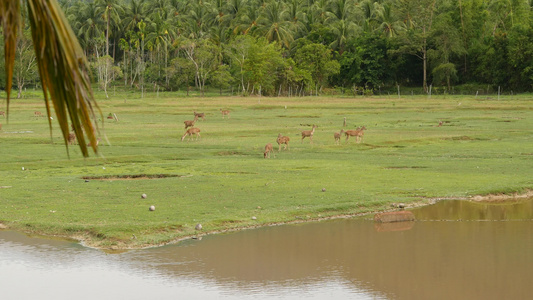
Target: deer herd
{"type": "Point", "coordinates": [358, 133]}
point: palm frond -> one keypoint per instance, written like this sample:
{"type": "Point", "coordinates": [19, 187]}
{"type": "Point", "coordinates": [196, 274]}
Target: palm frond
{"type": "Point", "coordinates": [10, 21]}
{"type": "Point", "coordinates": [63, 69]}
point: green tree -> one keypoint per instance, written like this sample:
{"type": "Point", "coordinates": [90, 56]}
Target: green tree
{"type": "Point", "coordinates": [418, 17]}
{"type": "Point", "coordinates": [25, 61]}
{"type": "Point", "coordinates": [448, 44]}
{"type": "Point", "coordinates": [318, 61]}
{"type": "Point", "coordinates": [366, 64]}
{"type": "Point", "coordinates": [274, 24]}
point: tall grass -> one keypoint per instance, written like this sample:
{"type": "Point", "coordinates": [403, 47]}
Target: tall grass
{"type": "Point", "coordinates": [222, 181]}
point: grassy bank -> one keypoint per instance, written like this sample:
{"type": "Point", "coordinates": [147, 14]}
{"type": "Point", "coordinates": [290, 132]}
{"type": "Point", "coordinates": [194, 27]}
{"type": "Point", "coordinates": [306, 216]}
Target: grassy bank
{"type": "Point", "coordinates": [222, 181]}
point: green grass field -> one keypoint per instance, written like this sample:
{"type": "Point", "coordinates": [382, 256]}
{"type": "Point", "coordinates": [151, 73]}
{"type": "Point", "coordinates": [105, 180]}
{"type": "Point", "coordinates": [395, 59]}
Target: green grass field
{"type": "Point", "coordinates": [222, 180]}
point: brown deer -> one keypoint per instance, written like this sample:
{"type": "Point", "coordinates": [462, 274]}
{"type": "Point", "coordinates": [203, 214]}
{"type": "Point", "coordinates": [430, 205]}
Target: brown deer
{"type": "Point", "coordinates": [337, 136]}
{"type": "Point", "coordinates": [190, 132]}
{"type": "Point", "coordinates": [199, 115]}
{"type": "Point", "coordinates": [38, 114]}
{"type": "Point", "coordinates": [3, 113]}
{"type": "Point", "coordinates": [283, 140]}
{"type": "Point", "coordinates": [308, 133]}
{"type": "Point", "coordinates": [71, 138]}
{"type": "Point", "coordinates": [225, 113]}
{"type": "Point", "coordinates": [350, 133]}
{"type": "Point", "coordinates": [358, 133]}
{"type": "Point", "coordinates": [190, 123]}
{"type": "Point", "coordinates": [268, 150]}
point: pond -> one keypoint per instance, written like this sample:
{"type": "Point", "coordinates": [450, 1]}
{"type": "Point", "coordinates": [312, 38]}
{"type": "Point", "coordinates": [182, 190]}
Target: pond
{"type": "Point", "coordinates": [455, 250]}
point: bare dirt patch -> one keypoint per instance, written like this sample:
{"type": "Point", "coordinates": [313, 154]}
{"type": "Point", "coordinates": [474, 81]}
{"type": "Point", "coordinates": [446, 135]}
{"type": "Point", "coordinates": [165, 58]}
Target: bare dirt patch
{"type": "Point", "coordinates": [502, 197]}
{"type": "Point", "coordinates": [131, 177]}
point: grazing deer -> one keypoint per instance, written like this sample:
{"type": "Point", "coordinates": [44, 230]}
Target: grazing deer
{"type": "Point", "coordinates": [440, 124]}
{"type": "Point", "coordinates": [268, 150]}
{"type": "Point", "coordinates": [190, 123]}
{"type": "Point", "coordinates": [308, 133]}
{"type": "Point", "coordinates": [190, 132]}
{"type": "Point", "coordinates": [71, 138]}
{"type": "Point", "coordinates": [199, 115]}
{"type": "Point", "coordinates": [283, 140]}
{"type": "Point", "coordinates": [225, 113]}
{"type": "Point", "coordinates": [337, 136]}
{"type": "Point", "coordinates": [3, 113]}
{"type": "Point", "coordinates": [38, 114]}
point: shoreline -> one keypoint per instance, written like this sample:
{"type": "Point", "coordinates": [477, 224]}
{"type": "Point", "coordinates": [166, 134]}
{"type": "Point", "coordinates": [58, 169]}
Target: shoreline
{"type": "Point", "coordinates": [85, 240]}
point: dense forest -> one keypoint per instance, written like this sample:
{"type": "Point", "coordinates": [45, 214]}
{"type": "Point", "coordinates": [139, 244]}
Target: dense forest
{"type": "Point", "coordinates": [297, 47]}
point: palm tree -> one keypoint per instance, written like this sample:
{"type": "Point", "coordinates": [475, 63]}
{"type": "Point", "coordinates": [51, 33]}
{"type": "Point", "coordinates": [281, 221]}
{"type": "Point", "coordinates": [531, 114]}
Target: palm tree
{"type": "Point", "coordinates": [134, 12]}
{"type": "Point", "coordinates": [388, 23]}
{"type": "Point", "coordinates": [90, 27]}
{"type": "Point", "coordinates": [111, 13]}
{"type": "Point", "coordinates": [275, 25]}
{"type": "Point", "coordinates": [62, 66]}
{"type": "Point", "coordinates": [340, 18]}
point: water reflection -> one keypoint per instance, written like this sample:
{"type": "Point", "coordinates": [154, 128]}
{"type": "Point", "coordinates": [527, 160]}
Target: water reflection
{"type": "Point", "coordinates": [342, 259]}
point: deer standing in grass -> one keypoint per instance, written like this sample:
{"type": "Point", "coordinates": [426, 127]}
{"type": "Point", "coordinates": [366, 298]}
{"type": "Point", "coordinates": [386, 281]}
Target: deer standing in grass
{"type": "Point", "coordinates": [337, 136]}
{"type": "Point", "coordinates": [308, 133]}
{"type": "Point", "coordinates": [190, 132]}
{"type": "Point", "coordinates": [268, 150]}
{"type": "Point", "coordinates": [283, 140]}
{"type": "Point", "coordinates": [71, 138]}
{"type": "Point", "coordinates": [38, 114]}
{"type": "Point", "coordinates": [225, 113]}
{"type": "Point", "coordinates": [3, 113]}
{"type": "Point", "coordinates": [190, 123]}
{"type": "Point", "coordinates": [358, 133]}
{"type": "Point", "coordinates": [199, 115]}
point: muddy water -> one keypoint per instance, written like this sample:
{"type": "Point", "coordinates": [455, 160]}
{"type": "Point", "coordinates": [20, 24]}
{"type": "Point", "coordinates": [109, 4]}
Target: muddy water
{"type": "Point", "coordinates": [455, 250]}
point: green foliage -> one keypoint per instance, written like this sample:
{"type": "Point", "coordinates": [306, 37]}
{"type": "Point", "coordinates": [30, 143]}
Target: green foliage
{"type": "Point", "coordinates": [419, 42]}
{"type": "Point", "coordinates": [365, 63]}
{"type": "Point", "coordinates": [317, 59]}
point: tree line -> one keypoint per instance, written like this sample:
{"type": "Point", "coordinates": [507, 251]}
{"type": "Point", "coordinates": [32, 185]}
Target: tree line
{"type": "Point", "coordinates": [297, 47]}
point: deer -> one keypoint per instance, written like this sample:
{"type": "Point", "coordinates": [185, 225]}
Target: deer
{"type": "Point", "coordinates": [283, 140]}
{"type": "Point", "coordinates": [358, 133]}
{"type": "Point", "coordinates": [190, 132]}
{"type": "Point", "coordinates": [225, 113]}
{"type": "Point", "coordinates": [3, 113]}
{"type": "Point", "coordinates": [337, 136]}
{"type": "Point", "coordinates": [38, 114]}
{"type": "Point", "coordinates": [268, 150]}
{"type": "Point", "coordinates": [199, 115]}
{"type": "Point", "coordinates": [308, 133]}
{"type": "Point", "coordinates": [71, 138]}
{"type": "Point", "coordinates": [190, 123]}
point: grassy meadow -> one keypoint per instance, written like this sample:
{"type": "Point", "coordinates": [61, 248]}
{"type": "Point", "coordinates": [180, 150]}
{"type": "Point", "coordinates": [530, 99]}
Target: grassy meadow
{"type": "Point", "coordinates": [222, 181]}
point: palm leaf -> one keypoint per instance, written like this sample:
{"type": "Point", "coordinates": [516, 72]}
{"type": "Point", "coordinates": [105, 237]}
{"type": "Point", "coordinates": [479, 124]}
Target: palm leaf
{"type": "Point", "coordinates": [10, 21]}
{"type": "Point", "coordinates": [63, 69]}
